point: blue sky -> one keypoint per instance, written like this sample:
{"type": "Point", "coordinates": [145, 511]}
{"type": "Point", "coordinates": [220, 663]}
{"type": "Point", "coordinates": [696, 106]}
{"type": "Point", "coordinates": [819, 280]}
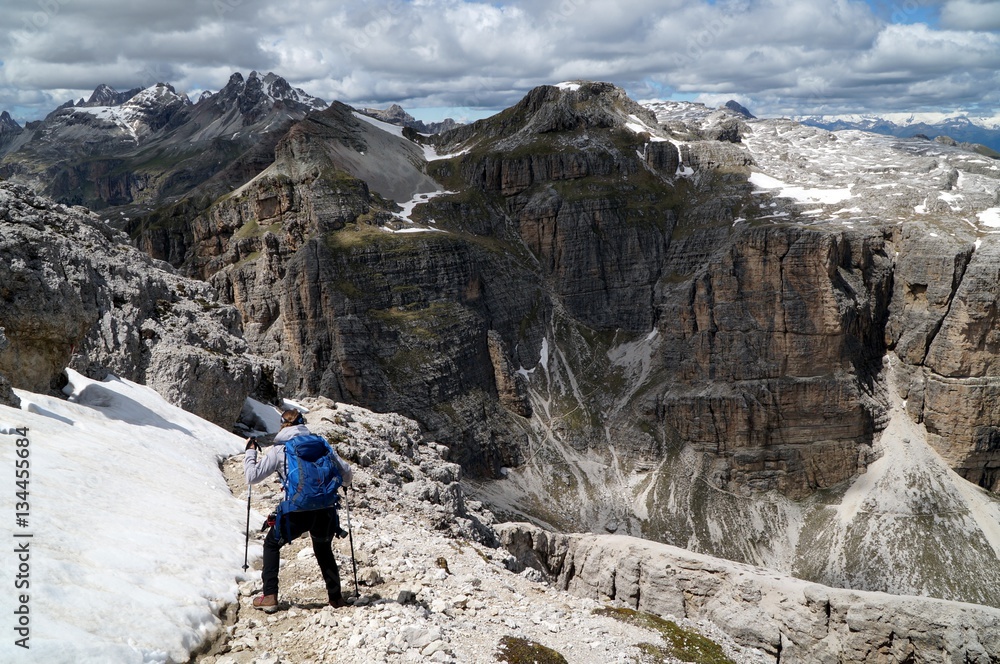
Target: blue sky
{"type": "Point", "coordinates": [467, 59]}
{"type": "Point", "coordinates": [906, 13]}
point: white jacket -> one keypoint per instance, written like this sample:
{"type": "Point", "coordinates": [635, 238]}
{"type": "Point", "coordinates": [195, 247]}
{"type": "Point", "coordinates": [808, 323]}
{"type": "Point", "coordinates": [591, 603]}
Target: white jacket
{"type": "Point", "coordinates": [273, 460]}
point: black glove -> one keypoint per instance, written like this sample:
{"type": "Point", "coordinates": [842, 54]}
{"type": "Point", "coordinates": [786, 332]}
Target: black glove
{"type": "Point", "coordinates": [252, 442]}
{"type": "Point", "coordinates": [340, 533]}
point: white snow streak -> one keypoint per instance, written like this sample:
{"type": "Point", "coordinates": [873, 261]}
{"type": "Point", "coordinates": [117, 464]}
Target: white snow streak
{"type": "Point", "coordinates": [801, 194]}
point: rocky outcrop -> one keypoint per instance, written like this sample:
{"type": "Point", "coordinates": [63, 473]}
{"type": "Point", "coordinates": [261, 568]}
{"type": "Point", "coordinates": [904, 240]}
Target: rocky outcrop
{"type": "Point", "coordinates": [7, 396]}
{"type": "Point", "coordinates": [76, 294]}
{"type": "Point", "coordinates": [790, 620]}
{"type": "Point", "coordinates": [962, 376]}
{"type": "Point", "coordinates": [9, 131]}
{"type": "Point", "coordinates": [511, 387]}
{"type": "Point", "coordinates": [395, 114]}
{"type": "Point", "coordinates": [105, 95]}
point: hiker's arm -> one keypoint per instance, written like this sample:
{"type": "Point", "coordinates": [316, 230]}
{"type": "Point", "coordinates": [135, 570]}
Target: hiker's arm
{"type": "Point", "coordinates": [257, 466]}
{"type": "Point", "coordinates": [345, 470]}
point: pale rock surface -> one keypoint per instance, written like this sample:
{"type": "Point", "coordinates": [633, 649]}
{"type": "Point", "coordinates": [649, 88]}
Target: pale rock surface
{"type": "Point", "coordinates": [433, 587]}
{"type": "Point", "coordinates": [76, 294]}
{"type": "Point", "coordinates": [789, 619]}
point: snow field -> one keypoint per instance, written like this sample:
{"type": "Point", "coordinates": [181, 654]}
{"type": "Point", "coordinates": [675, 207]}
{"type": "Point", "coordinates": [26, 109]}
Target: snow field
{"type": "Point", "coordinates": [137, 543]}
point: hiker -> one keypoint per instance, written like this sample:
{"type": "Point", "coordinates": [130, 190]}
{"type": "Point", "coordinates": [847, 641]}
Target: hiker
{"type": "Point", "coordinates": [321, 524]}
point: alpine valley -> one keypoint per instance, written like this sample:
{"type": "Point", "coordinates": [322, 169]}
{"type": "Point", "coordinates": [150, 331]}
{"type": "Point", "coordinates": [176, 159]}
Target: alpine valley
{"type": "Point", "coordinates": [767, 343]}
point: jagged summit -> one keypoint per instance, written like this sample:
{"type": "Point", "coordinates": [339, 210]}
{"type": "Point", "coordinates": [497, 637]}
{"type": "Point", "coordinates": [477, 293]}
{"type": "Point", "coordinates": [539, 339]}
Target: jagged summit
{"type": "Point", "coordinates": [105, 95]}
{"type": "Point", "coordinates": [168, 144]}
{"type": "Point", "coordinates": [145, 112]}
{"type": "Point", "coordinates": [8, 124]}
{"type": "Point", "coordinates": [548, 110]}
{"type": "Point", "coordinates": [737, 107]}
{"type": "Point", "coordinates": [256, 94]}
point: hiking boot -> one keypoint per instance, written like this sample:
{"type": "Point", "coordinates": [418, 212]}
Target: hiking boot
{"type": "Point", "coordinates": [338, 603]}
{"type": "Point", "coordinates": [266, 603]}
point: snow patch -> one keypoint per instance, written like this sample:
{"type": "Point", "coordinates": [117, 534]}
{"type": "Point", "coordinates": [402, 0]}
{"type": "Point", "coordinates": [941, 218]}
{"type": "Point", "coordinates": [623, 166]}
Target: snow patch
{"type": "Point", "coordinates": [990, 217]}
{"type": "Point", "coordinates": [801, 194]}
{"type": "Point", "coordinates": [418, 199]}
{"type": "Point", "coordinates": [387, 127]}
{"type": "Point", "coordinates": [137, 542]}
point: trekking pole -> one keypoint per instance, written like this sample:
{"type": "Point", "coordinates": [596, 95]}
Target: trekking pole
{"type": "Point", "coordinates": [350, 537]}
{"type": "Point", "coordinates": [246, 547]}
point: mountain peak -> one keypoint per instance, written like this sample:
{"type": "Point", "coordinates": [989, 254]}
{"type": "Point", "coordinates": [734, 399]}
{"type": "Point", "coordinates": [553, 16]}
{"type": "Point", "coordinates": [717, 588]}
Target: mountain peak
{"type": "Point", "coordinates": [737, 107]}
{"type": "Point", "coordinates": [235, 81]}
{"type": "Point", "coordinates": [581, 105]}
{"type": "Point", "coordinates": [8, 124]}
{"type": "Point", "coordinates": [105, 95]}
{"type": "Point", "coordinates": [395, 114]}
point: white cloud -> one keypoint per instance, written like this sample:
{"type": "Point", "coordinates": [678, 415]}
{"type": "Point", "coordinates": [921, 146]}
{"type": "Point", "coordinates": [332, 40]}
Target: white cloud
{"type": "Point", "coordinates": [778, 54]}
{"type": "Point", "coordinates": [971, 14]}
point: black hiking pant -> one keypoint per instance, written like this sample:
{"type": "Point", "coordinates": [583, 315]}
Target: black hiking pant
{"type": "Point", "coordinates": [321, 526]}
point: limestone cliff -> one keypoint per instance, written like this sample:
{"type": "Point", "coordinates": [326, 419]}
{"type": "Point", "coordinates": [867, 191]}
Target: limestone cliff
{"type": "Point", "coordinates": [790, 620]}
{"type": "Point", "coordinates": [75, 293]}
{"type": "Point", "coordinates": [665, 321]}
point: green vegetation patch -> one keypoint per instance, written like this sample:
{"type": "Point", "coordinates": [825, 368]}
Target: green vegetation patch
{"type": "Point", "coordinates": [247, 230]}
{"type": "Point", "coordinates": [422, 322]}
{"type": "Point", "coordinates": [684, 644]}
{"type": "Point", "coordinates": [360, 236]}
{"type": "Point", "coordinates": [515, 650]}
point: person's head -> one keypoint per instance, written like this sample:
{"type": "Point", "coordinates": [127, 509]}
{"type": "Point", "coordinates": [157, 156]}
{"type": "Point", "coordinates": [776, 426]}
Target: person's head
{"type": "Point", "coordinates": [290, 418]}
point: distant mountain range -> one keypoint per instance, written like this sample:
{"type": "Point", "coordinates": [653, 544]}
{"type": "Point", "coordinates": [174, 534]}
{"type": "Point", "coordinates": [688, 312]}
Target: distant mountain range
{"type": "Point", "coordinates": [397, 116]}
{"type": "Point", "coordinates": [962, 128]}
{"type": "Point", "coordinates": [154, 146]}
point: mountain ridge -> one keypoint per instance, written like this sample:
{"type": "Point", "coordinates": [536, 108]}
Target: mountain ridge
{"type": "Point", "coordinates": [960, 127]}
{"type": "Point", "coordinates": [662, 320]}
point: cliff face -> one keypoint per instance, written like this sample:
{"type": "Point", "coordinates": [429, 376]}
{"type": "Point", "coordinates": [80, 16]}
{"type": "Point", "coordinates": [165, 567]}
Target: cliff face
{"type": "Point", "coordinates": [679, 326]}
{"type": "Point", "coordinates": [76, 294]}
{"type": "Point", "coordinates": [770, 357]}
{"type": "Point", "coordinates": [946, 329]}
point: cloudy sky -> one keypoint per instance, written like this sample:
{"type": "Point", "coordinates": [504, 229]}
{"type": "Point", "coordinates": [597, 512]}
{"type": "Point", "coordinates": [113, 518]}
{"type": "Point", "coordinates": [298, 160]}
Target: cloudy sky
{"type": "Point", "coordinates": [778, 57]}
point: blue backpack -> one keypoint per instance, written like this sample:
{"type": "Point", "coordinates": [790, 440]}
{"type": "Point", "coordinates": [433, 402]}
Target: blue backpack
{"type": "Point", "coordinates": [312, 477]}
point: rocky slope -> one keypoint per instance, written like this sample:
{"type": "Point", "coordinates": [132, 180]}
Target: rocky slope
{"type": "Point", "coordinates": [440, 581]}
{"type": "Point", "coordinates": [76, 293]}
{"type": "Point", "coordinates": [668, 321]}
{"type": "Point", "coordinates": [673, 321]}
{"type": "Point", "coordinates": [144, 149]}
